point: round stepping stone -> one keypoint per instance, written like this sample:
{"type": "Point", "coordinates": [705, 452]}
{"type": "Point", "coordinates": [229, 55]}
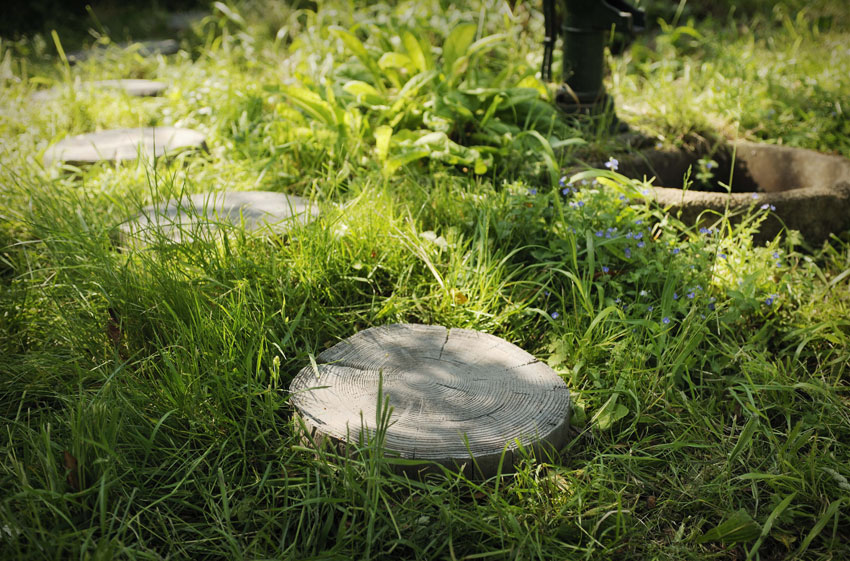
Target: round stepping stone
{"type": "Point", "coordinates": [454, 392]}
{"type": "Point", "coordinates": [136, 88]}
{"type": "Point", "coordinates": [144, 48]}
{"type": "Point", "coordinates": [181, 219]}
{"type": "Point", "coordinates": [122, 144]}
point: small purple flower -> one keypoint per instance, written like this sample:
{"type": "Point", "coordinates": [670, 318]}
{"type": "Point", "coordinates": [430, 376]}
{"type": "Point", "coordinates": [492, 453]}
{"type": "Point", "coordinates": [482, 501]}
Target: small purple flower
{"type": "Point", "coordinates": [532, 191]}
{"type": "Point", "coordinates": [562, 181]}
{"type": "Point", "coordinates": [665, 320]}
{"type": "Point", "coordinates": [691, 295]}
{"type": "Point", "coordinates": [675, 296]}
{"type": "Point", "coordinates": [711, 306]}
{"type": "Point", "coordinates": [711, 164]}
{"type": "Point", "coordinates": [766, 206]}
{"type": "Point", "coordinates": [639, 235]}
{"type": "Point", "coordinates": [721, 255]}
{"type": "Point", "coordinates": [755, 196]}
{"type": "Point", "coordinates": [776, 255]}
{"type": "Point", "coordinates": [600, 233]}
{"type": "Point", "coordinates": [581, 203]}
{"type": "Point", "coordinates": [641, 245]}
{"type": "Point", "coordinates": [638, 222]}
{"type": "Point", "coordinates": [555, 315]}
{"type": "Point", "coordinates": [676, 251]}
{"type": "Point", "coordinates": [628, 253]}
{"type": "Point", "coordinates": [770, 299]}
{"type": "Point", "coordinates": [546, 293]}
{"type": "Point", "coordinates": [705, 230]}
{"type": "Point", "coordinates": [612, 164]}
{"type": "Point", "coordinates": [650, 308]}
{"type": "Point", "coordinates": [605, 269]}
{"type": "Point", "coordinates": [629, 235]}
{"type": "Point", "coordinates": [622, 197]}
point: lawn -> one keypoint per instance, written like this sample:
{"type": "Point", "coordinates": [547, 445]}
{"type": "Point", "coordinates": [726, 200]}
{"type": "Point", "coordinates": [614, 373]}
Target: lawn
{"type": "Point", "coordinates": [144, 387]}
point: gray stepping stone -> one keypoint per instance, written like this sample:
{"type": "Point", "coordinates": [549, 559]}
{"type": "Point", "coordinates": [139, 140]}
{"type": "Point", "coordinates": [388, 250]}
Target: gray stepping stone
{"type": "Point", "coordinates": [133, 87]}
{"type": "Point", "coordinates": [454, 392]}
{"type": "Point", "coordinates": [182, 219]}
{"type": "Point", "coordinates": [145, 49]}
{"type": "Point", "coordinates": [122, 144]}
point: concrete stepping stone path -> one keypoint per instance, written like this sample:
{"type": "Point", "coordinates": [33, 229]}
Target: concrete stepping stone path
{"type": "Point", "coordinates": [179, 220]}
{"type": "Point", "coordinates": [454, 392]}
{"type": "Point", "coordinates": [122, 144]}
{"type": "Point", "coordinates": [132, 87]}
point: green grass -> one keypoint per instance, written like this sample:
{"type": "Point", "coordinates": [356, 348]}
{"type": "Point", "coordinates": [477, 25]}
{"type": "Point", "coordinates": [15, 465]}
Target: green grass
{"type": "Point", "coordinates": [143, 390]}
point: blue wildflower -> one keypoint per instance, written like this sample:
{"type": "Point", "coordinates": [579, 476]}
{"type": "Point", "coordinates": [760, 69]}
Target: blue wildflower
{"type": "Point", "coordinates": [650, 308]}
{"type": "Point", "coordinates": [600, 233]}
{"type": "Point", "coordinates": [628, 253]}
{"type": "Point", "coordinates": [638, 222]}
{"type": "Point", "coordinates": [691, 295]}
{"type": "Point", "coordinates": [641, 244]}
{"type": "Point", "coordinates": [562, 181]}
{"type": "Point", "coordinates": [776, 255]}
{"type": "Point", "coordinates": [665, 320]}
{"type": "Point", "coordinates": [770, 299]}
{"type": "Point", "coordinates": [704, 230]}
{"type": "Point", "coordinates": [555, 315]}
{"type": "Point", "coordinates": [675, 296]}
{"type": "Point", "coordinates": [605, 269]}
{"type": "Point", "coordinates": [612, 164]}
{"type": "Point", "coordinates": [532, 191]}
{"type": "Point", "coordinates": [639, 235]}
{"type": "Point", "coordinates": [676, 251]}
{"type": "Point", "coordinates": [766, 206]}
{"type": "Point", "coordinates": [721, 255]}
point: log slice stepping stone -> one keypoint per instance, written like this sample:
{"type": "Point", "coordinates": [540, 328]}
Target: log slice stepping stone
{"type": "Point", "coordinates": [132, 87]}
{"type": "Point", "coordinates": [181, 219]}
{"type": "Point", "coordinates": [122, 144]}
{"type": "Point", "coordinates": [454, 392]}
{"type": "Point", "coordinates": [147, 48]}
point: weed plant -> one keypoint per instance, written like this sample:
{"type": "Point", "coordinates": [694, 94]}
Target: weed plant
{"type": "Point", "coordinates": [144, 388]}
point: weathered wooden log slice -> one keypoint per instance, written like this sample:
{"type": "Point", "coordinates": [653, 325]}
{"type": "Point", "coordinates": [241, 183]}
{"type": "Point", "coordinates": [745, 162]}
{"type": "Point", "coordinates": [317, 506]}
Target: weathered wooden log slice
{"type": "Point", "coordinates": [181, 219]}
{"type": "Point", "coordinates": [122, 144]}
{"type": "Point", "coordinates": [454, 392]}
{"type": "Point", "coordinates": [135, 88]}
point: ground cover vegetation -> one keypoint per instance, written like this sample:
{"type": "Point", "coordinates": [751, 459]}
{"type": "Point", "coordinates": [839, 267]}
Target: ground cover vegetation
{"type": "Point", "coordinates": [143, 389]}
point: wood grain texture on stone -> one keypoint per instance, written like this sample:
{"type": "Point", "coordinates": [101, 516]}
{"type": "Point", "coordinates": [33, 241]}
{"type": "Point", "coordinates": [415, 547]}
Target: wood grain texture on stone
{"type": "Point", "coordinates": [454, 392]}
{"type": "Point", "coordinates": [180, 220]}
{"type": "Point", "coordinates": [122, 144]}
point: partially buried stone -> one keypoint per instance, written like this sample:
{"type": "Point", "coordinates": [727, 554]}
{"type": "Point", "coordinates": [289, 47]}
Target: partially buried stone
{"type": "Point", "coordinates": [122, 144]}
{"type": "Point", "coordinates": [135, 88]}
{"type": "Point", "coordinates": [459, 397]}
{"type": "Point", "coordinates": [143, 48]}
{"type": "Point", "coordinates": [184, 219]}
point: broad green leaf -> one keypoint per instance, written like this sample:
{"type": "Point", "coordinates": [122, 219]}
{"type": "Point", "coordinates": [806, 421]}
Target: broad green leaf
{"type": "Point", "coordinates": [365, 93]}
{"type": "Point", "coordinates": [382, 141]}
{"type": "Point", "coordinates": [457, 43]}
{"type": "Point", "coordinates": [395, 60]}
{"type": "Point", "coordinates": [535, 84]}
{"type": "Point", "coordinates": [312, 104]}
{"type": "Point", "coordinates": [480, 167]}
{"type": "Point", "coordinates": [410, 88]}
{"type": "Point", "coordinates": [610, 413]}
{"type": "Point", "coordinates": [392, 164]}
{"type": "Point", "coordinates": [356, 46]}
{"type": "Point", "coordinates": [738, 528]}
{"type": "Point", "coordinates": [416, 52]}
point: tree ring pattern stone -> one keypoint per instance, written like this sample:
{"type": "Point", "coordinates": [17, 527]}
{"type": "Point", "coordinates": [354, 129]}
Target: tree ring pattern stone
{"type": "Point", "coordinates": [122, 144]}
{"type": "Point", "coordinates": [454, 393]}
{"type": "Point", "coordinates": [182, 219]}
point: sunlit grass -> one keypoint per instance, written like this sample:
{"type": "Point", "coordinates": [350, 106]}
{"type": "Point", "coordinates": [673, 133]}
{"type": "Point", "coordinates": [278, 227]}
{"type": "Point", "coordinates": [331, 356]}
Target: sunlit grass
{"type": "Point", "coordinates": [143, 389]}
